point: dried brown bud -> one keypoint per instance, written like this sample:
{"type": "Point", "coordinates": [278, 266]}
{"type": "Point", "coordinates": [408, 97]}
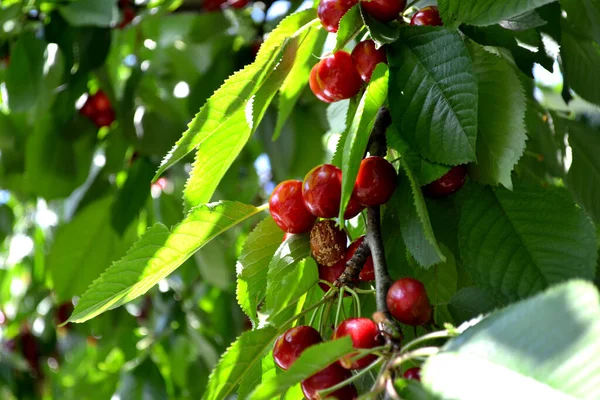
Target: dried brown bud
{"type": "Point", "coordinates": [327, 243]}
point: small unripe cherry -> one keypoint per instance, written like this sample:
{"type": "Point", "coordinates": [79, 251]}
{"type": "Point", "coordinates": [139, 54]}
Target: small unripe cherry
{"type": "Point", "coordinates": [326, 378]}
{"type": "Point", "coordinates": [322, 190]}
{"type": "Point", "coordinates": [384, 10]}
{"type": "Point", "coordinates": [427, 16]}
{"type": "Point", "coordinates": [287, 208]}
{"type": "Point", "coordinates": [327, 243]}
{"type": "Point", "coordinates": [413, 373]}
{"type": "Point", "coordinates": [367, 273]}
{"type": "Point", "coordinates": [408, 303]}
{"type": "Point", "coordinates": [337, 77]}
{"type": "Point", "coordinates": [364, 334]}
{"type": "Point", "coordinates": [375, 182]}
{"type": "Point", "coordinates": [330, 12]}
{"type": "Point", "coordinates": [366, 57]}
{"type": "Point", "coordinates": [292, 343]}
{"type": "Point", "coordinates": [447, 184]}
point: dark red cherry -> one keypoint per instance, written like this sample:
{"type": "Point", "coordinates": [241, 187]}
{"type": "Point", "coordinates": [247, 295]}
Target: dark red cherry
{"type": "Point", "coordinates": [87, 110]}
{"type": "Point", "coordinates": [366, 57]}
{"type": "Point", "coordinates": [104, 118]}
{"type": "Point", "coordinates": [327, 378]}
{"type": "Point", "coordinates": [100, 101]}
{"type": "Point", "coordinates": [292, 343]}
{"type": "Point", "coordinates": [337, 77]}
{"type": "Point", "coordinates": [353, 208]}
{"type": "Point", "coordinates": [375, 182]}
{"type": "Point", "coordinates": [212, 5]}
{"type": "Point", "coordinates": [331, 274]}
{"type": "Point", "coordinates": [408, 303]}
{"type": "Point", "coordinates": [330, 12]}
{"type": "Point", "coordinates": [316, 85]}
{"type": "Point", "coordinates": [128, 16]}
{"type": "Point", "coordinates": [63, 312]}
{"type": "Point", "coordinates": [413, 373]}
{"type": "Point", "coordinates": [322, 189]}
{"type": "Point", "coordinates": [384, 10]}
{"type": "Point", "coordinates": [364, 335]}
{"type": "Point", "coordinates": [287, 208]}
{"type": "Point", "coordinates": [328, 243]}
{"type": "Point", "coordinates": [237, 4]}
{"type": "Point", "coordinates": [427, 16]}
{"type": "Point", "coordinates": [447, 184]}
{"type": "Point", "coordinates": [367, 274]}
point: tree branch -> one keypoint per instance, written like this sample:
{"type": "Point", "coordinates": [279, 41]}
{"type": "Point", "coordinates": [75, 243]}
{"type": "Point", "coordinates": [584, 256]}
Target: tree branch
{"type": "Point", "coordinates": [354, 265]}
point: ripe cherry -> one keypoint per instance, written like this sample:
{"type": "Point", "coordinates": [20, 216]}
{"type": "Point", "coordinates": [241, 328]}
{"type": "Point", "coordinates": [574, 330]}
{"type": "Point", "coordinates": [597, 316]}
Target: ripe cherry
{"type": "Point", "coordinates": [128, 16]}
{"type": "Point", "coordinates": [287, 208]}
{"type": "Point", "coordinates": [322, 189]}
{"type": "Point", "coordinates": [366, 57]}
{"type": "Point", "coordinates": [292, 343]}
{"type": "Point", "coordinates": [315, 85]}
{"type": "Point", "coordinates": [63, 312]}
{"type": "Point", "coordinates": [331, 274]}
{"type": "Point", "coordinates": [335, 77]}
{"type": "Point", "coordinates": [375, 182]}
{"type": "Point", "coordinates": [326, 378]}
{"type": "Point", "coordinates": [330, 12]}
{"type": "Point", "coordinates": [87, 110]}
{"type": "Point", "coordinates": [104, 118]}
{"type": "Point", "coordinates": [384, 10]}
{"type": "Point", "coordinates": [237, 4]}
{"type": "Point", "coordinates": [327, 243]}
{"type": "Point", "coordinates": [408, 303]}
{"type": "Point", "coordinates": [447, 184]}
{"type": "Point", "coordinates": [212, 5]}
{"type": "Point", "coordinates": [100, 101]}
{"type": "Point", "coordinates": [413, 373]}
{"type": "Point", "coordinates": [364, 335]}
{"type": "Point", "coordinates": [367, 274]}
{"type": "Point", "coordinates": [427, 16]}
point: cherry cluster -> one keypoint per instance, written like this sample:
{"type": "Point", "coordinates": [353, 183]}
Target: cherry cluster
{"type": "Point", "coordinates": [98, 109]}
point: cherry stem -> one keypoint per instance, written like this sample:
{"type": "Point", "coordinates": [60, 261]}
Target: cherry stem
{"type": "Point", "coordinates": [329, 295]}
{"type": "Point", "coordinates": [339, 307]}
{"type": "Point", "coordinates": [418, 353]}
{"type": "Point", "coordinates": [323, 393]}
{"type": "Point", "coordinates": [357, 307]}
{"type": "Point", "coordinates": [429, 336]}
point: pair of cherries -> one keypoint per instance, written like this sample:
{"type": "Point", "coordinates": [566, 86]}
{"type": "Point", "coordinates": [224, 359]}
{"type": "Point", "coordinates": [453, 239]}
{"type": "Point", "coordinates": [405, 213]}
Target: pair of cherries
{"type": "Point", "coordinates": [98, 109]}
{"type": "Point", "coordinates": [330, 12]}
{"type": "Point", "coordinates": [295, 205]}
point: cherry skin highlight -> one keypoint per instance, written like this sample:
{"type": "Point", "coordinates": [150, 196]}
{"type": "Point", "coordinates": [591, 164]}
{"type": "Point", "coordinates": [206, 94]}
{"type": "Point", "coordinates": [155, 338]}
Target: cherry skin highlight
{"type": "Point", "coordinates": [413, 373]}
{"type": "Point", "coordinates": [326, 378]}
{"type": "Point", "coordinates": [384, 10]}
{"type": "Point", "coordinates": [451, 182]}
{"type": "Point", "coordinates": [317, 86]}
{"type": "Point", "coordinates": [287, 208]}
{"type": "Point", "coordinates": [364, 335]}
{"type": "Point", "coordinates": [408, 303]}
{"type": "Point", "coordinates": [375, 182]}
{"type": "Point", "coordinates": [292, 343]}
{"type": "Point", "coordinates": [337, 77]}
{"type": "Point", "coordinates": [366, 57]}
{"type": "Point", "coordinates": [100, 101]}
{"type": "Point", "coordinates": [427, 16]}
{"type": "Point", "coordinates": [322, 190]}
{"type": "Point", "coordinates": [367, 274]}
{"type": "Point", "coordinates": [330, 12]}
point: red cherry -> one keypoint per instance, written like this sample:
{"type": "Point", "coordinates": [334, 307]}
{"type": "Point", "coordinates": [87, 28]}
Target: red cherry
{"type": "Point", "coordinates": [384, 10]}
{"type": "Point", "coordinates": [408, 303]}
{"type": "Point", "coordinates": [331, 274]}
{"type": "Point", "coordinates": [337, 77]}
{"type": "Point", "coordinates": [287, 208]}
{"type": "Point", "coordinates": [322, 190]}
{"type": "Point", "coordinates": [326, 378]}
{"type": "Point", "coordinates": [104, 118]}
{"type": "Point", "coordinates": [367, 274]}
{"type": "Point", "coordinates": [316, 85]}
{"type": "Point", "coordinates": [87, 110]}
{"type": "Point", "coordinates": [128, 16]}
{"type": "Point", "coordinates": [212, 5]}
{"type": "Point", "coordinates": [237, 3]}
{"type": "Point", "coordinates": [428, 16]}
{"type": "Point", "coordinates": [292, 343]}
{"type": "Point", "coordinates": [365, 57]}
{"type": "Point", "coordinates": [353, 208]}
{"type": "Point", "coordinates": [413, 373]}
{"type": "Point", "coordinates": [100, 101]}
{"type": "Point", "coordinates": [330, 12]}
{"type": "Point", "coordinates": [375, 182]}
{"type": "Point", "coordinates": [63, 312]}
{"type": "Point", "coordinates": [364, 335]}
{"type": "Point", "coordinates": [447, 184]}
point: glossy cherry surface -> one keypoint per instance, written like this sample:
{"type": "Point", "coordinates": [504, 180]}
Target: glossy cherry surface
{"type": "Point", "coordinates": [327, 378]}
{"type": "Point", "coordinates": [287, 208]}
{"type": "Point", "coordinates": [413, 373]}
{"type": "Point", "coordinates": [292, 343]}
{"type": "Point", "coordinates": [367, 274]}
{"type": "Point", "coordinates": [408, 303]}
{"type": "Point", "coordinates": [330, 12]}
{"type": "Point", "coordinates": [316, 85]}
{"type": "Point", "coordinates": [375, 182]}
{"type": "Point", "coordinates": [384, 10]}
{"type": "Point", "coordinates": [328, 243]}
{"type": "Point", "coordinates": [322, 190]}
{"type": "Point", "coordinates": [100, 101]}
{"type": "Point", "coordinates": [447, 184]}
{"type": "Point", "coordinates": [336, 77]}
{"type": "Point", "coordinates": [366, 57]}
{"type": "Point", "coordinates": [364, 335]}
{"type": "Point", "coordinates": [427, 16]}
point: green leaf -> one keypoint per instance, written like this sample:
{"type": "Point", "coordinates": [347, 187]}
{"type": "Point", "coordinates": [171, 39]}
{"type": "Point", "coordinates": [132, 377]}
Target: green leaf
{"type": "Point", "coordinates": [238, 360]}
{"type": "Point", "coordinates": [25, 72]}
{"type": "Point", "coordinates": [232, 98]}
{"type": "Point", "coordinates": [381, 32]}
{"type": "Point", "coordinates": [260, 372]}
{"type": "Point", "coordinates": [515, 244]}
{"type": "Point", "coordinates": [253, 265]}
{"type": "Point", "coordinates": [158, 253]}
{"type": "Point", "coordinates": [469, 303]}
{"type": "Point", "coordinates": [433, 94]}
{"type": "Point", "coordinates": [441, 280]}
{"type": "Point", "coordinates": [360, 131]}
{"type": "Point", "coordinates": [528, 20]}
{"type": "Point", "coordinates": [502, 137]}
{"type": "Point", "coordinates": [525, 349]}
{"type": "Point", "coordinates": [90, 12]}
{"type": "Point", "coordinates": [339, 116]}
{"type": "Point", "coordinates": [484, 12]}
{"type": "Point", "coordinates": [350, 25]}
{"type": "Point", "coordinates": [312, 360]}
{"type": "Point", "coordinates": [581, 57]}
{"type": "Point", "coordinates": [297, 79]}
{"type": "Point", "coordinates": [76, 259]}
{"type": "Point", "coordinates": [583, 17]}
{"type": "Point", "coordinates": [583, 178]}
